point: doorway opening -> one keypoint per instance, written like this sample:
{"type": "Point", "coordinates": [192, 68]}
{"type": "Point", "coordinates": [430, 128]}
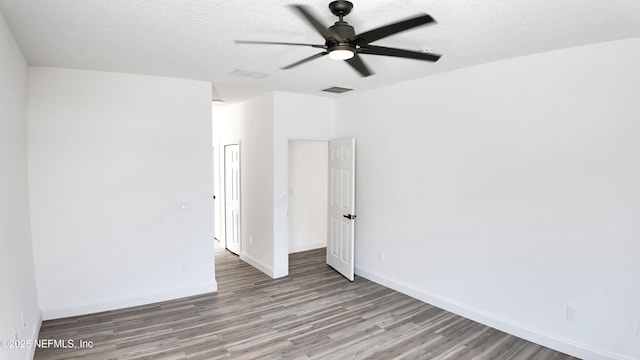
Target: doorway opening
{"type": "Point", "coordinates": [307, 195]}
{"type": "Point", "coordinates": [321, 200]}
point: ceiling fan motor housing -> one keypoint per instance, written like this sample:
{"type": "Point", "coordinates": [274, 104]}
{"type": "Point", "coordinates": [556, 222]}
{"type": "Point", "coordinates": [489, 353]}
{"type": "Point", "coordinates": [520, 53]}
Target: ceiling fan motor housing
{"type": "Point", "coordinates": [345, 31]}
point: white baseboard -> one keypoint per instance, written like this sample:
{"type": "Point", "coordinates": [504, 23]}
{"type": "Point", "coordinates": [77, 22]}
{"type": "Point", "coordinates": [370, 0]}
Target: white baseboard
{"type": "Point", "coordinates": [294, 248]}
{"type": "Point", "coordinates": [537, 336]}
{"type": "Point", "coordinates": [58, 312]}
{"type": "Point", "coordinates": [258, 264]}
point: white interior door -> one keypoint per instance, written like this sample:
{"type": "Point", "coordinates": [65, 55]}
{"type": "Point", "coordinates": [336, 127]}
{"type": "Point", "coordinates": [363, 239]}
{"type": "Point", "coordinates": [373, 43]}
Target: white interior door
{"type": "Point", "coordinates": [217, 211]}
{"type": "Point", "coordinates": [341, 205]}
{"type": "Point", "coordinates": [232, 197]}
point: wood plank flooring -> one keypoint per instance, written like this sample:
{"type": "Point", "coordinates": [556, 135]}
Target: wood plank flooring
{"type": "Point", "coordinates": [313, 313]}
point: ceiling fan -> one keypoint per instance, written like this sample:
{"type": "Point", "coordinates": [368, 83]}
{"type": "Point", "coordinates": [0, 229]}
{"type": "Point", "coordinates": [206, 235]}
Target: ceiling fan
{"type": "Point", "coordinates": [342, 43]}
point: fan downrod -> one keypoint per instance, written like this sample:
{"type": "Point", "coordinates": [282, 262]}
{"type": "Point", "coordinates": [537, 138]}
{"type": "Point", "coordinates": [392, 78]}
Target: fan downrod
{"type": "Point", "coordinates": [340, 8]}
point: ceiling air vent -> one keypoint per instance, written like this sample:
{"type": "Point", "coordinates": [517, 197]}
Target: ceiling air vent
{"type": "Point", "coordinates": [337, 90]}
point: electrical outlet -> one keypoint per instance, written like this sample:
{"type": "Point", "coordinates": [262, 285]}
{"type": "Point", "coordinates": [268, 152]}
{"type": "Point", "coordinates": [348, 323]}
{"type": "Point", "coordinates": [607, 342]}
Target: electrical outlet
{"type": "Point", "coordinates": [380, 256]}
{"type": "Point", "coordinates": [571, 313]}
{"type": "Point", "coordinates": [250, 240]}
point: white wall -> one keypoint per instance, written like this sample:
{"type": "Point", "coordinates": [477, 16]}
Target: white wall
{"type": "Point", "coordinates": [18, 296]}
{"type": "Point", "coordinates": [296, 117]}
{"type": "Point", "coordinates": [307, 202]}
{"type": "Point", "coordinates": [507, 191]}
{"type": "Point", "coordinates": [251, 123]}
{"type": "Point", "coordinates": [120, 183]}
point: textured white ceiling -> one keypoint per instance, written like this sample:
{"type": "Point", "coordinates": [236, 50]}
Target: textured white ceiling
{"type": "Point", "coordinates": [194, 38]}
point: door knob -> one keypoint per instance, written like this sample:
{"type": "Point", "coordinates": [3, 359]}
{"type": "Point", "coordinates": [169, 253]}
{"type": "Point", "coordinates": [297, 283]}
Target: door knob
{"type": "Point", "coordinates": [349, 216]}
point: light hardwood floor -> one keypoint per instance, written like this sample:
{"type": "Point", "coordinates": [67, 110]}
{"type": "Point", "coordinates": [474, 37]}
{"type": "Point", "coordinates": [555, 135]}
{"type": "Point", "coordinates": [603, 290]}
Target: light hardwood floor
{"type": "Point", "coordinates": [313, 313]}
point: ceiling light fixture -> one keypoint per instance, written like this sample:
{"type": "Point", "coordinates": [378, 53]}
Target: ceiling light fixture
{"type": "Point", "coordinates": [344, 53]}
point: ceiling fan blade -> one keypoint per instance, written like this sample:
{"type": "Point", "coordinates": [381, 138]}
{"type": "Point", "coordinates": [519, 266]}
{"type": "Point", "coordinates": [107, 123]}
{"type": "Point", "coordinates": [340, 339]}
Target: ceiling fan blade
{"type": "Point", "coordinates": [357, 63]}
{"type": "Point", "coordinates": [387, 51]}
{"type": "Point", "coordinates": [312, 57]}
{"type": "Point", "coordinates": [387, 30]}
{"type": "Point", "coordinates": [277, 43]}
{"type": "Point", "coordinates": [323, 30]}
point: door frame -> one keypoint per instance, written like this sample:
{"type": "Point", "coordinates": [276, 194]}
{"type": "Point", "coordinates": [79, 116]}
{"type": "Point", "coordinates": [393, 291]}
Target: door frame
{"type": "Point", "coordinates": [286, 179]}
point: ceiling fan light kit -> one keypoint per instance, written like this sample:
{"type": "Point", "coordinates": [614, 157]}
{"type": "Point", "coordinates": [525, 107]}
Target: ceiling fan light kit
{"type": "Point", "coordinates": [341, 54]}
{"type": "Point", "coordinates": [342, 42]}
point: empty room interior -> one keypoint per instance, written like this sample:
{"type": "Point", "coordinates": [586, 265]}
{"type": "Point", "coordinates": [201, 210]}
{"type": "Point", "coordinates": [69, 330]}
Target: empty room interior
{"type": "Point", "coordinates": [198, 180]}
